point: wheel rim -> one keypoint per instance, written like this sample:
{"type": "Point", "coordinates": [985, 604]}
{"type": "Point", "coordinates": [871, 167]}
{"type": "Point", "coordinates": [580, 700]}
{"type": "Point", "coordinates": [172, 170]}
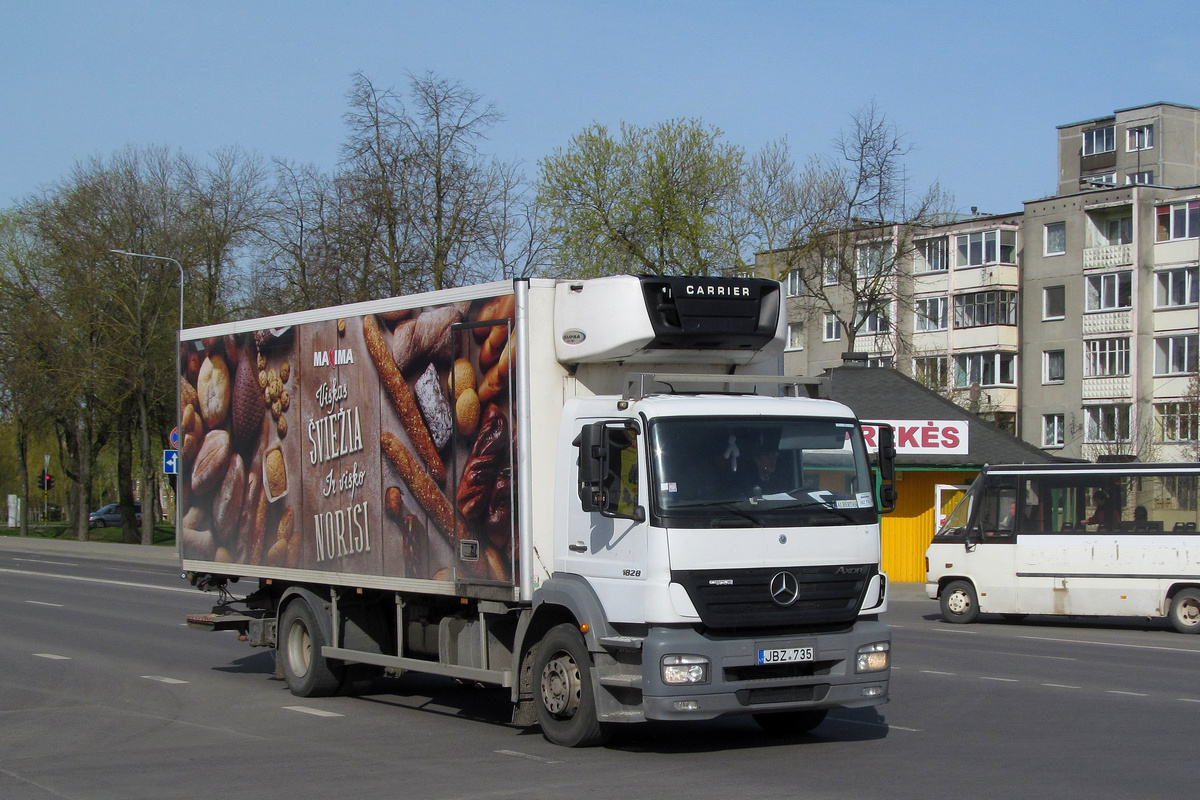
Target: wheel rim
{"type": "Point", "coordinates": [561, 686]}
{"type": "Point", "coordinates": [958, 602]}
{"type": "Point", "coordinates": [1189, 612]}
{"type": "Point", "coordinates": [299, 649]}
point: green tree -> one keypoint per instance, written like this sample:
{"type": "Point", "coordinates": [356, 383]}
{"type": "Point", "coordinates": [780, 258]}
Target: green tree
{"type": "Point", "coordinates": [661, 200]}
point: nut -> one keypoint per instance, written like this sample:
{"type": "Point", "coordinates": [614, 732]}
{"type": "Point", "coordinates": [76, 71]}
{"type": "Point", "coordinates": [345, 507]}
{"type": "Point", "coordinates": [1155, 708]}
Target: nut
{"type": "Point", "coordinates": [285, 370]}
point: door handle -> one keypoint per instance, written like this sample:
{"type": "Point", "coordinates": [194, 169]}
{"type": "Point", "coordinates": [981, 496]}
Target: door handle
{"type": "Point", "coordinates": [578, 547]}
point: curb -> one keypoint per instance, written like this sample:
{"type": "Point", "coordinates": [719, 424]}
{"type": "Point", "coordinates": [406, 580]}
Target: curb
{"type": "Point", "coordinates": [121, 552]}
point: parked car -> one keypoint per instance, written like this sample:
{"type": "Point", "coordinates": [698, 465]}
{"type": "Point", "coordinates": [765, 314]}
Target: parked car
{"type": "Point", "coordinates": [111, 515]}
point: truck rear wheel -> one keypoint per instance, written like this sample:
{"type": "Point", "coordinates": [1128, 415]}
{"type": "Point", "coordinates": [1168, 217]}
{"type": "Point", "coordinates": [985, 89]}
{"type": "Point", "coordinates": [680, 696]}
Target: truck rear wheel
{"type": "Point", "coordinates": [307, 672]}
{"type": "Point", "coordinates": [563, 694]}
{"type": "Point", "coordinates": [787, 723]}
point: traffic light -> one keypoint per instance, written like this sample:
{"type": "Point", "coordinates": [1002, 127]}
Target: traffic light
{"type": "Point", "coordinates": [47, 481]}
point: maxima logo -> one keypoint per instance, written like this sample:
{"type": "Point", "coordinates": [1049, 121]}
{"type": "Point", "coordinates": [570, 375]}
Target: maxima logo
{"type": "Point", "coordinates": [332, 358]}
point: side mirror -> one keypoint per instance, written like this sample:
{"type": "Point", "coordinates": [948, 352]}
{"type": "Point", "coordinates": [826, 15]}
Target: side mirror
{"type": "Point", "coordinates": [593, 464]}
{"type": "Point", "coordinates": [887, 469]}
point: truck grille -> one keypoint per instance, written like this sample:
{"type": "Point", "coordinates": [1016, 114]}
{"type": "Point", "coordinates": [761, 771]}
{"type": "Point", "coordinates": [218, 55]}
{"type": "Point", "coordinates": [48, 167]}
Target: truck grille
{"type": "Point", "coordinates": [777, 597]}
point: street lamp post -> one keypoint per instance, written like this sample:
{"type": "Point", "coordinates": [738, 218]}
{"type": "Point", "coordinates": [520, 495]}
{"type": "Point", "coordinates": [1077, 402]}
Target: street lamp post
{"type": "Point", "coordinates": [178, 397]}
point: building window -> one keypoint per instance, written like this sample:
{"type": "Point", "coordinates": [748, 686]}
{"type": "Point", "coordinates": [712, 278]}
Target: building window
{"type": "Point", "coordinates": [1139, 138]}
{"type": "Point", "coordinates": [879, 361]}
{"type": "Point", "coordinates": [1102, 179]}
{"type": "Point", "coordinates": [985, 369]}
{"type": "Point", "coordinates": [833, 328]}
{"type": "Point", "coordinates": [932, 314]}
{"type": "Point", "coordinates": [1177, 422]}
{"type": "Point", "coordinates": [1056, 239]}
{"type": "Point", "coordinates": [985, 247]}
{"type": "Point", "coordinates": [1144, 178]}
{"type": "Point", "coordinates": [829, 272]}
{"type": "Point", "coordinates": [1176, 287]}
{"type": "Point", "coordinates": [935, 255]}
{"type": "Point", "coordinates": [795, 340]}
{"type": "Point", "coordinates": [1118, 230]}
{"type": "Point", "coordinates": [1175, 355]}
{"type": "Point", "coordinates": [1100, 140]}
{"type": "Point", "coordinates": [794, 282]}
{"type": "Point", "coordinates": [932, 371]}
{"type": "Point", "coordinates": [1054, 302]}
{"type": "Point", "coordinates": [1054, 366]}
{"type": "Point", "coordinates": [1109, 292]}
{"type": "Point", "coordinates": [985, 308]}
{"type": "Point", "coordinates": [1105, 424]}
{"type": "Point", "coordinates": [873, 323]}
{"type": "Point", "coordinates": [1053, 434]}
{"type": "Point", "coordinates": [1179, 221]}
{"type": "Point", "coordinates": [873, 259]}
{"type": "Point", "coordinates": [1106, 358]}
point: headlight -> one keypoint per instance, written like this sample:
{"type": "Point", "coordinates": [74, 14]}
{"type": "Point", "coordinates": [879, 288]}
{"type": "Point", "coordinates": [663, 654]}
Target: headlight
{"type": "Point", "coordinates": [684, 669]}
{"type": "Point", "coordinates": [872, 657]}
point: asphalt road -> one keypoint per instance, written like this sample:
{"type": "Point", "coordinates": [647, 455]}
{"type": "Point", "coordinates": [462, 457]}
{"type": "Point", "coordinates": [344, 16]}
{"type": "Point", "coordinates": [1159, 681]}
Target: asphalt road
{"type": "Point", "coordinates": [104, 693]}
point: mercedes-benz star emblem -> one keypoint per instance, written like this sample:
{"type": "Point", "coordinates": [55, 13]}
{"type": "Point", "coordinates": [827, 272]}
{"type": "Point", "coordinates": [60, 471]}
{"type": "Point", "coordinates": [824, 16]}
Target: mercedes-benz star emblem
{"type": "Point", "coordinates": [784, 588]}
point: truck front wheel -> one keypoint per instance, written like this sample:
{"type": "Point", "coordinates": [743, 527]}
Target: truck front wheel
{"type": "Point", "coordinates": [563, 695]}
{"type": "Point", "coordinates": [307, 672]}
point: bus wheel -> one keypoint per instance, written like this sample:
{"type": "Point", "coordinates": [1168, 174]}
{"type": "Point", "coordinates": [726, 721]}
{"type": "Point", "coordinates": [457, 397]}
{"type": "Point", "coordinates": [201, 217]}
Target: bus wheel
{"type": "Point", "coordinates": [1185, 611]}
{"type": "Point", "coordinates": [959, 602]}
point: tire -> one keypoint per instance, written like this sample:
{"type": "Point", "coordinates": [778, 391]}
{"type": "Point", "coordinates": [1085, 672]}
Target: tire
{"type": "Point", "coordinates": [299, 643]}
{"type": "Point", "coordinates": [563, 692]}
{"type": "Point", "coordinates": [960, 604]}
{"type": "Point", "coordinates": [1184, 612]}
{"type": "Point", "coordinates": [790, 723]}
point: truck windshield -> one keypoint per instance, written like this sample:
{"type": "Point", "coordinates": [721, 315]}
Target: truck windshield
{"type": "Point", "coordinates": [759, 472]}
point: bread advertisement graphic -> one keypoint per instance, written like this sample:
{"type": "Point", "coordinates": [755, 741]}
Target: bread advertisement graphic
{"type": "Point", "coordinates": [380, 444]}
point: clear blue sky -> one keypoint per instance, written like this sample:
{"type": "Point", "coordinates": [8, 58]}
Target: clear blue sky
{"type": "Point", "coordinates": [978, 86]}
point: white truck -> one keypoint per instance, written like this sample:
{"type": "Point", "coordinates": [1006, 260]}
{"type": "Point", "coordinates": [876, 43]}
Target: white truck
{"type": "Point", "coordinates": [598, 494]}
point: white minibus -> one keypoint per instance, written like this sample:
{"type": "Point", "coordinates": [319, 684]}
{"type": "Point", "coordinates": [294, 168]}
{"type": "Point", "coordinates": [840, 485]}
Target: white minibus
{"type": "Point", "coordinates": [1079, 539]}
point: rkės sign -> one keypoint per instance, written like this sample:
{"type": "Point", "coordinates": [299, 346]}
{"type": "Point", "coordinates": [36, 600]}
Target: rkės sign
{"type": "Point", "coordinates": [923, 437]}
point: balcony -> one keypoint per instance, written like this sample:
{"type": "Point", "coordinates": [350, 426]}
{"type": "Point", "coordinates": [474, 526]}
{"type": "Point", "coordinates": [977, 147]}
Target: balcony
{"type": "Point", "coordinates": [1119, 388]}
{"type": "Point", "coordinates": [1107, 322]}
{"type": "Point", "coordinates": [1108, 256]}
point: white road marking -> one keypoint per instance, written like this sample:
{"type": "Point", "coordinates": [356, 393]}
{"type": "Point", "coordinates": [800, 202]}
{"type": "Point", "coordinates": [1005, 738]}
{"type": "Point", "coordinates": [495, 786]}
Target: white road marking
{"type": "Point", "coordinates": [873, 724]}
{"type": "Point", "coordinates": [188, 589]}
{"type": "Point", "coordinates": [1005, 680]}
{"type": "Point", "coordinates": [316, 712]}
{"type": "Point", "coordinates": [53, 656]}
{"type": "Point", "coordinates": [40, 603]}
{"type": "Point", "coordinates": [1191, 650]}
{"type": "Point", "coordinates": [1059, 686]}
{"type": "Point", "coordinates": [162, 679]}
{"type": "Point", "coordinates": [43, 561]}
{"type": "Point", "coordinates": [935, 672]}
{"type": "Point", "coordinates": [517, 754]}
{"type": "Point", "coordinates": [1188, 700]}
{"type": "Point", "coordinates": [1130, 694]}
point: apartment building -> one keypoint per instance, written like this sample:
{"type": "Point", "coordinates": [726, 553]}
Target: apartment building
{"type": "Point", "coordinates": [1110, 313]}
{"type": "Point", "coordinates": [1074, 324]}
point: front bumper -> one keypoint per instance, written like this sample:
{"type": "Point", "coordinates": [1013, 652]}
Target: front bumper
{"type": "Point", "coordinates": [737, 684]}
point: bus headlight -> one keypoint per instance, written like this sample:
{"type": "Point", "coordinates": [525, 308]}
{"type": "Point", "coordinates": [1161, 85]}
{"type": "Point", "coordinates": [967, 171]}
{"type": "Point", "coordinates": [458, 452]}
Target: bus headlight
{"type": "Point", "coordinates": [872, 657]}
{"type": "Point", "coordinates": [679, 669]}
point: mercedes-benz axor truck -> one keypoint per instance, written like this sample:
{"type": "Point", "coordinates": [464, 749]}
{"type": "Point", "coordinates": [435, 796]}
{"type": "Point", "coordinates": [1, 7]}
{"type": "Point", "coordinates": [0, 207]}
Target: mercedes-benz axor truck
{"type": "Point", "coordinates": [598, 494]}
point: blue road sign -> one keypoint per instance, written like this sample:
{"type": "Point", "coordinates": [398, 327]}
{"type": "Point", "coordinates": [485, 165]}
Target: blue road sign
{"type": "Point", "coordinates": [171, 462]}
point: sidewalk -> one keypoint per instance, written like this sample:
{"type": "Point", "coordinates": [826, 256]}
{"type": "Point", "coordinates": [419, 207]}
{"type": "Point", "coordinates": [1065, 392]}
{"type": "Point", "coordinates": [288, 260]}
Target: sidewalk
{"type": "Point", "coordinates": [120, 552]}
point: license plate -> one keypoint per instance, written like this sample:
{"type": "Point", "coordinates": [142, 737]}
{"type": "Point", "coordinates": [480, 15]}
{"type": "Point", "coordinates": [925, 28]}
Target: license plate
{"type": "Point", "coordinates": [785, 655]}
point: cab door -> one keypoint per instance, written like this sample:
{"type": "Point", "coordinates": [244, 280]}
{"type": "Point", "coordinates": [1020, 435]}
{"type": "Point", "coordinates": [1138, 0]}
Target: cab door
{"type": "Point", "coordinates": [607, 544]}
